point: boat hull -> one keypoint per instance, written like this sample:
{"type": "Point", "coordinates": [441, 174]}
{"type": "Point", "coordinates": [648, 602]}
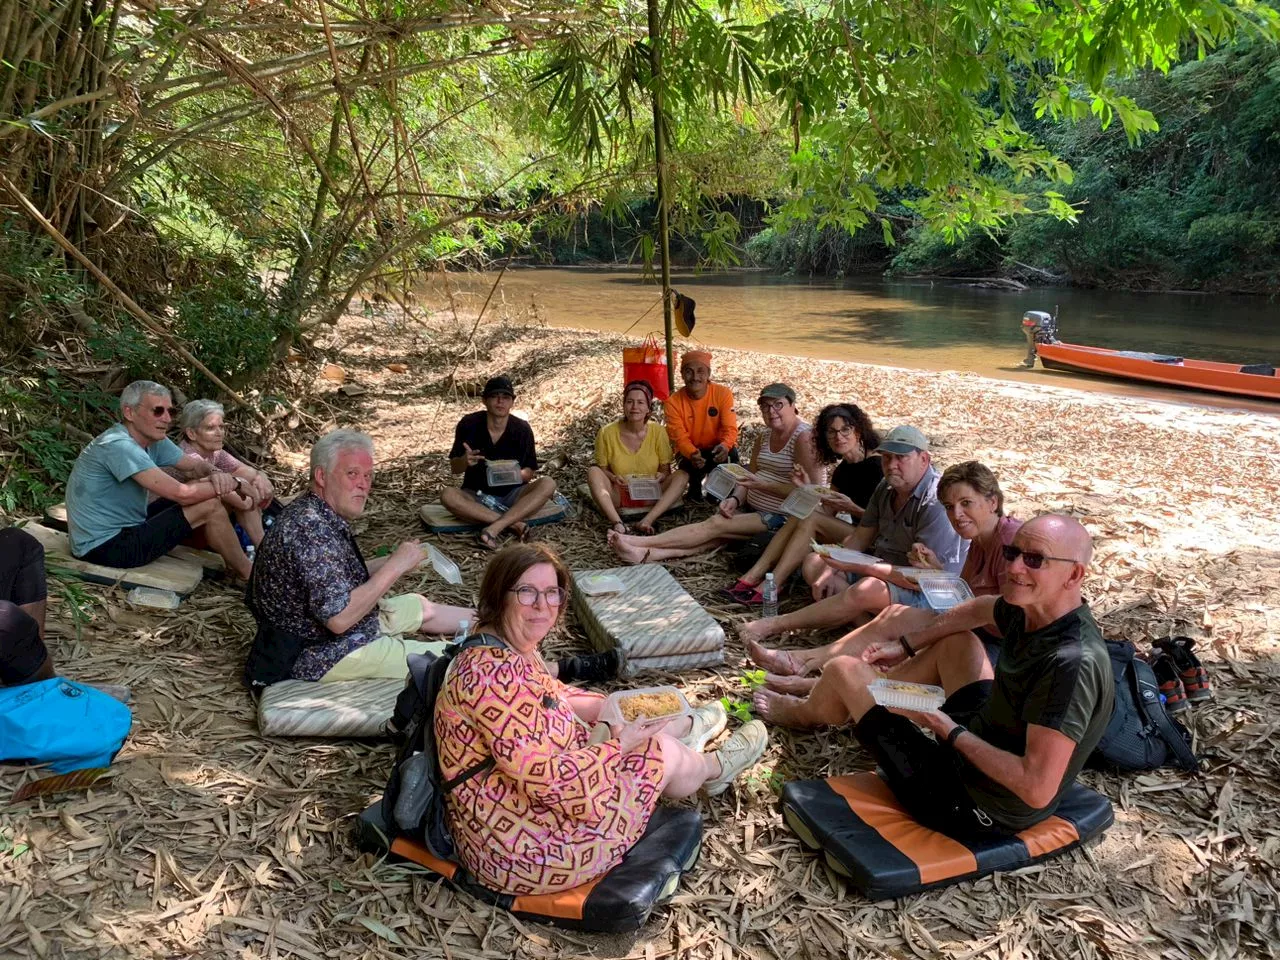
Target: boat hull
{"type": "Point", "coordinates": [1204, 375]}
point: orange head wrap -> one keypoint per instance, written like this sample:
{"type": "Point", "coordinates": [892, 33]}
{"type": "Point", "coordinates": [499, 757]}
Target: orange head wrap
{"type": "Point", "coordinates": [696, 356]}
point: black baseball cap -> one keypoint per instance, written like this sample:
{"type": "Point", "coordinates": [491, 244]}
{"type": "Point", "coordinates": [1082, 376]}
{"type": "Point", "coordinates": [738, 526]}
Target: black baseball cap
{"type": "Point", "coordinates": [496, 385]}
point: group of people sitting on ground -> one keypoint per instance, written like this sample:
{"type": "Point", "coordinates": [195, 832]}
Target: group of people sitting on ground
{"type": "Point", "coordinates": [1027, 676]}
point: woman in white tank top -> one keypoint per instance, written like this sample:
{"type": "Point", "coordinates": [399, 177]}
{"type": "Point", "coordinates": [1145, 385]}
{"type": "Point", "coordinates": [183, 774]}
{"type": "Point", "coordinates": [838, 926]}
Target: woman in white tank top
{"type": "Point", "coordinates": [781, 457]}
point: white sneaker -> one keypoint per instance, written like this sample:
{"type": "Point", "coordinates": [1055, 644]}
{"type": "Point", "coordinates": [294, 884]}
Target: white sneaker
{"type": "Point", "coordinates": [708, 721]}
{"type": "Point", "coordinates": [739, 753]}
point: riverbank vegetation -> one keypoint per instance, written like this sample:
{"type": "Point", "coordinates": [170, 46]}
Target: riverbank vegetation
{"type": "Point", "coordinates": [191, 192]}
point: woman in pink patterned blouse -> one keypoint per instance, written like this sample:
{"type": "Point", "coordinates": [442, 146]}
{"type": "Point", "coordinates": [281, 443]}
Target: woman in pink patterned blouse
{"type": "Point", "coordinates": [202, 434]}
{"type": "Point", "coordinates": [557, 809]}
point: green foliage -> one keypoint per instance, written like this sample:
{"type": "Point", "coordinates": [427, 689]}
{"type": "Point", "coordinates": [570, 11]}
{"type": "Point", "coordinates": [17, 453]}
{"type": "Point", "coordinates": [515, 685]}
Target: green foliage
{"type": "Point", "coordinates": [230, 322]}
{"type": "Point", "coordinates": [738, 710]}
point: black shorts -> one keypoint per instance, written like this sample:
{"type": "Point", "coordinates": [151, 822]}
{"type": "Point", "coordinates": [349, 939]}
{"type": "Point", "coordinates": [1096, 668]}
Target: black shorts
{"type": "Point", "coordinates": [21, 567]}
{"type": "Point", "coordinates": [22, 652]}
{"type": "Point", "coordinates": [926, 776]}
{"type": "Point", "coordinates": [166, 527]}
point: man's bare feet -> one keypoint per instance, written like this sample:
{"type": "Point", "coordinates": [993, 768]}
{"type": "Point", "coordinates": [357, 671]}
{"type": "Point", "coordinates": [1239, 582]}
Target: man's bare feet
{"type": "Point", "coordinates": [626, 551]}
{"type": "Point", "coordinates": [781, 662]}
{"type": "Point", "coordinates": [796, 686]}
{"type": "Point", "coordinates": [779, 708]}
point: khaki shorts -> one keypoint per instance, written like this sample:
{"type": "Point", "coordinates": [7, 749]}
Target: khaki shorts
{"type": "Point", "coordinates": [385, 658]}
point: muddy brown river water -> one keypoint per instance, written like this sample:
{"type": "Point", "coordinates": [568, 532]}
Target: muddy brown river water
{"type": "Point", "coordinates": [918, 324]}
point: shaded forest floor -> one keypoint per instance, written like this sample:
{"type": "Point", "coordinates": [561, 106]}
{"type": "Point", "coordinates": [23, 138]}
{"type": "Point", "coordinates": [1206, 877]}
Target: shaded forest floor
{"type": "Point", "coordinates": [211, 841]}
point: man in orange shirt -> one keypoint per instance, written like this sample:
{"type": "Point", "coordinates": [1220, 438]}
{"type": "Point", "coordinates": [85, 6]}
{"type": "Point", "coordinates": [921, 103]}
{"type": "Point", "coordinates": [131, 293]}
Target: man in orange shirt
{"type": "Point", "coordinates": [701, 422]}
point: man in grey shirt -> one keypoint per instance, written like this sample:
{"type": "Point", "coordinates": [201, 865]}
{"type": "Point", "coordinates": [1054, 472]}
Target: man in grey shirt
{"type": "Point", "coordinates": [903, 511]}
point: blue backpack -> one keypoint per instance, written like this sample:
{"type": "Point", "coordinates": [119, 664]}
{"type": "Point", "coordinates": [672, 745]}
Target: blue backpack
{"type": "Point", "coordinates": [62, 723]}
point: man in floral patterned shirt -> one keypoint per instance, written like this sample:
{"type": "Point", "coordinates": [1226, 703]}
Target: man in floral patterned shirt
{"type": "Point", "coordinates": [323, 611]}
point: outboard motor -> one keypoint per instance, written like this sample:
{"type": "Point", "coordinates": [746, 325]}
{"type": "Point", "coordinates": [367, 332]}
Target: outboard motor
{"type": "Point", "coordinates": [1039, 327]}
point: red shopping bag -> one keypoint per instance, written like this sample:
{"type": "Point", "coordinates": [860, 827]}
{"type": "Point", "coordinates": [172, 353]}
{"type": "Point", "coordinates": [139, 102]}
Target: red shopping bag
{"type": "Point", "coordinates": [647, 362]}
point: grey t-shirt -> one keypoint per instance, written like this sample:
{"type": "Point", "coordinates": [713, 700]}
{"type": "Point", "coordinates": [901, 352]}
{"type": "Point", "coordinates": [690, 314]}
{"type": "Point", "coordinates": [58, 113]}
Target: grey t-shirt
{"type": "Point", "coordinates": [1057, 677]}
{"type": "Point", "coordinates": [102, 497]}
{"type": "Point", "coordinates": [923, 518]}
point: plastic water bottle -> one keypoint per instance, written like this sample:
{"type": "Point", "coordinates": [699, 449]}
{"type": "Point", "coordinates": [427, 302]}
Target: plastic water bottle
{"type": "Point", "coordinates": [464, 630]}
{"type": "Point", "coordinates": [492, 502]}
{"type": "Point", "coordinates": [770, 593]}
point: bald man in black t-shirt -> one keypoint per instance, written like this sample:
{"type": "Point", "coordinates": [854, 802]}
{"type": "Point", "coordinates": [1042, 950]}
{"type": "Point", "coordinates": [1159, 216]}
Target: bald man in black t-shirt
{"type": "Point", "coordinates": [1009, 741]}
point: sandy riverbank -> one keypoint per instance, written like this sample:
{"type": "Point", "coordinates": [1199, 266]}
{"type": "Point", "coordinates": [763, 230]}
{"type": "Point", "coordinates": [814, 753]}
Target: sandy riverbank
{"type": "Point", "coordinates": [211, 841]}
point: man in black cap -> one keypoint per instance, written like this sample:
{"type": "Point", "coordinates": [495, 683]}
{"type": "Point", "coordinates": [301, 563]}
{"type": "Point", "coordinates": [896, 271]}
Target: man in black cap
{"type": "Point", "coordinates": [480, 439]}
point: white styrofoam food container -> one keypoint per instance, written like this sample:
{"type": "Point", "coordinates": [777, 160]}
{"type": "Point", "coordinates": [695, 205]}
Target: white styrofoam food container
{"type": "Point", "coordinates": [597, 584]}
{"type": "Point", "coordinates": [611, 712]}
{"type": "Point", "coordinates": [944, 592]}
{"type": "Point", "coordinates": [907, 696]}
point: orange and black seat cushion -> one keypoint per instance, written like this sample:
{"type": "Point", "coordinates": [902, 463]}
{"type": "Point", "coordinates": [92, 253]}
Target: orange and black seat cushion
{"type": "Point", "coordinates": [857, 824]}
{"type": "Point", "coordinates": [617, 902]}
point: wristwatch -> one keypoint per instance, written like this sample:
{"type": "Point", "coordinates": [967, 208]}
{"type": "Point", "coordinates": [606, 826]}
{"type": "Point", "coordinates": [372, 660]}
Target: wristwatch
{"type": "Point", "coordinates": [958, 729]}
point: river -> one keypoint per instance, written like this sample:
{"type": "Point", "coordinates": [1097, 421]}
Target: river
{"type": "Point", "coordinates": [918, 324]}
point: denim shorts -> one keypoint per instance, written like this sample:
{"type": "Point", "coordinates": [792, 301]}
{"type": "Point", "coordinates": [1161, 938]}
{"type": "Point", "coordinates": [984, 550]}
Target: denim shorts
{"type": "Point", "coordinates": [773, 522]}
{"type": "Point", "coordinates": [907, 598]}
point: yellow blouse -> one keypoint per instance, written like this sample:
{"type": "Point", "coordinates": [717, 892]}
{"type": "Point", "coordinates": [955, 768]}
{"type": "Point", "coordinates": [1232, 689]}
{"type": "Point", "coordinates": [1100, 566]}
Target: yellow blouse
{"type": "Point", "coordinates": [655, 452]}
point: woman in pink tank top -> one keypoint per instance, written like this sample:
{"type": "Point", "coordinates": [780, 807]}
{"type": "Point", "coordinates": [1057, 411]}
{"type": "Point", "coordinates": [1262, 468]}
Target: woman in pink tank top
{"type": "Point", "coordinates": [780, 458]}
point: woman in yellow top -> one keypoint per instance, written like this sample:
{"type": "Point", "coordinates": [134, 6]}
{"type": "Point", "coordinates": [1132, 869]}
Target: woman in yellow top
{"type": "Point", "coordinates": [631, 447]}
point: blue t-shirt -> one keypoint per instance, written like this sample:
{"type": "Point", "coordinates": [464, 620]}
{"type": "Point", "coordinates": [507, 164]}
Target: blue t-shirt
{"type": "Point", "coordinates": [102, 496]}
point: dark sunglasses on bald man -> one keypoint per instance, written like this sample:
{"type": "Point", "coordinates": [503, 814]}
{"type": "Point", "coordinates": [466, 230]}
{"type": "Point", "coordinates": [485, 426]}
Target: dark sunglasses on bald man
{"type": "Point", "coordinates": [1033, 560]}
{"type": "Point", "coordinates": [161, 411]}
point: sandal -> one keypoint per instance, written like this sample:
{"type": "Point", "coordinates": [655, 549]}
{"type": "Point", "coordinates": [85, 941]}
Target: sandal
{"type": "Point", "coordinates": [744, 593]}
{"type": "Point", "coordinates": [487, 541]}
{"type": "Point", "coordinates": [523, 532]}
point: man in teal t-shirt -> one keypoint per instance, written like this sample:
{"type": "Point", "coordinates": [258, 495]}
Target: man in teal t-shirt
{"type": "Point", "coordinates": [108, 516]}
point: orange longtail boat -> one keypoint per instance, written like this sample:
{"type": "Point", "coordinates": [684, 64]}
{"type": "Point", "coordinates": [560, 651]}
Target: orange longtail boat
{"type": "Point", "coordinates": [1244, 380]}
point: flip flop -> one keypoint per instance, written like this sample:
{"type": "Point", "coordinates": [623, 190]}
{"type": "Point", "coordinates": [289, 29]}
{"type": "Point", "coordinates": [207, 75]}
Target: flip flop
{"type": "Point", "coordinates": [523, 532]}
{"type": "Point", "coordinates": [487, 540]}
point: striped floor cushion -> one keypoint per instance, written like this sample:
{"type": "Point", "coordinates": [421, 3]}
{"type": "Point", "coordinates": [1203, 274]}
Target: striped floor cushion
{"type": "Point", "coordinates": [617, 902]}
{"type": "Point", "coordinates": [857, 824]}
{"type": "Point", "coordinates": [348, 708]}
{"type": "Point", "coordinates": [654, 621]}
{"type": "Point", "coordinates": [437, 518]}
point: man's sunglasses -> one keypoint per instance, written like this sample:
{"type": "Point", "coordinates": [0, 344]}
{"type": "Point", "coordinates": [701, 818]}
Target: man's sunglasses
{"type": "Point", "coordinates": [160, 411]}
{"type": "Point", "coordinates": [1034, 561]}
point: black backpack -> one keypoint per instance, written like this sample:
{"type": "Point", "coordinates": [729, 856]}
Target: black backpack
{"type": "Point", "coordinates": [413, 801]}
{"type": "Point", "coordinates": [1141, 735]}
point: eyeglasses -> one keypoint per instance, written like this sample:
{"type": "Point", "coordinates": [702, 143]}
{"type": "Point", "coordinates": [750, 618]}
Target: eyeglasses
{"type": "Point", "coordinates": [768, 406]}
{"type": "Point", "coordinates": [841, 432]}
{"type": "Point", "coordinates": [161, 411]}
{"type": "Point", "coordinates": [528, 595]}
{"type": "Point", "coordinates": [1033, 560]}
